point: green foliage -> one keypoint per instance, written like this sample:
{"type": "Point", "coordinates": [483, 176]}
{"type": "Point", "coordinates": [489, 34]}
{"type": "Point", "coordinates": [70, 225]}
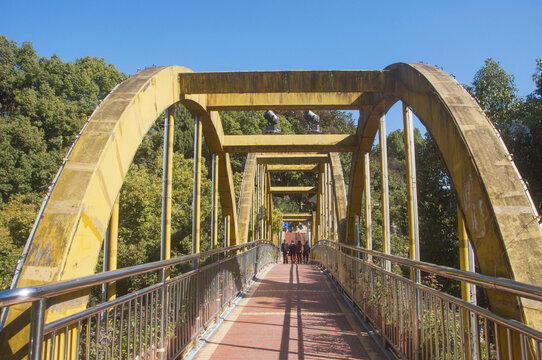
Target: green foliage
{"type": "Point", "coordinates": [518, 120]}
{"type": "Point", "coordinates": [276, 226]}
{"type": "Point", "coordinates": [43, 105]}
{"type": "Point", "coordinates": [495, 91]}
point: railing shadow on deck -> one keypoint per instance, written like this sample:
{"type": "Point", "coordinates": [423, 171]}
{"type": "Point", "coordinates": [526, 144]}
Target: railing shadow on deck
{"type": "Point", "coordinates": [419, 322]}
{"type": "Point", "coordinates": [164, 318]}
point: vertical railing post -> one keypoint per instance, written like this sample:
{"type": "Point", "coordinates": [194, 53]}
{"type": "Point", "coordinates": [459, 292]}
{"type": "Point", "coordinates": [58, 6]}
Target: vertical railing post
{"type": "Point", "coordinates": [385, 202]}
{"type": "Point", "coordinates": [36, 329]}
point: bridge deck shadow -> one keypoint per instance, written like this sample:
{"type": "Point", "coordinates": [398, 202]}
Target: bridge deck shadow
{"type": "Point", "coordinates": [291, 312]}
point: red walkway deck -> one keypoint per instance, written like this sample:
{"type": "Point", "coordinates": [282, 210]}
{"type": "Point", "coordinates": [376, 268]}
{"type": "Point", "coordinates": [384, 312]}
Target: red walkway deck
{"type": "Point", "coordinates": [292, 312]}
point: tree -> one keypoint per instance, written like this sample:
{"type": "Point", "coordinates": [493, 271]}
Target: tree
{"type": "Point", "coordinates": [43, 105]}
{"type": "Point", "coordinates": [517, 120]}
{"type": "Point", "coordinates": [495, 91]}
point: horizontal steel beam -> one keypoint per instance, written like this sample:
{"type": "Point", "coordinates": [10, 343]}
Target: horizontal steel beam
{"type": "Point", "coordinates": [296, 159]}
{"type": "Point", "coordinates": [287, 82]}
{"type": "Point", "coordinates": [296, 217]}
{"type": "Point", "coordinates": [293, 167]}
{"type": "Point", "coordinates": [293, 189]}
{"type": "Point", "coordinates": [287, 143]}
{"type": "Point", "coordinates": [289, 101]}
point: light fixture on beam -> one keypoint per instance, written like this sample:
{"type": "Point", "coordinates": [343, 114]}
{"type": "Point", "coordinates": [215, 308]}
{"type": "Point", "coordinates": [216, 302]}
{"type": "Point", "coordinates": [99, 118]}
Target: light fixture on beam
{"type": "Point", "coordinates": [272, 121]}
{"type": "Point", "coordinates": [313, 122]}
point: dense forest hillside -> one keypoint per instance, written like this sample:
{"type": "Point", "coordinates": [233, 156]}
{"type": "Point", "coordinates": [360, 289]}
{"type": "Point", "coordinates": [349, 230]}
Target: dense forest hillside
{"type": "Point", "coordinates": [44, 102]}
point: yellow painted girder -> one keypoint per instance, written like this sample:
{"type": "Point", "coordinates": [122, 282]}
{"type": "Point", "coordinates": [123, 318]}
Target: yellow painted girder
{"type": "Point", "coordinates": [284, 159]}
{"type": "Point", "coordinates": [245, 198]}
{"type": "Point", "coordinates": [293, 189]}
{"type": "Point", "coordinates": [288, 101]}
{"type": "Point", "coordinates": [287, 82]}
{"type": "Point", "coordinates": [297, 217]}
{"type": "Point", "coordinates": [340, 195]}
{"type": "Point", "coordinates": [305, 167]}
{"type": "Point", "coordinates": [305, 143]}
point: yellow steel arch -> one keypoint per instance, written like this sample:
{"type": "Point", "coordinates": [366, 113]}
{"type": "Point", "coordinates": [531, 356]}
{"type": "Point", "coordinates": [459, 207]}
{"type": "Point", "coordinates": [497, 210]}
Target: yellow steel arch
{"type": "Point", "coordinates": [501, 220]}
{"type": "Point", "coordinates": [69, 235]}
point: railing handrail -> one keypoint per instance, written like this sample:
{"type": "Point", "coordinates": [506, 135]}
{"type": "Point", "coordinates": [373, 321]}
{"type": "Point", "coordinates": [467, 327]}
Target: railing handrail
{"type": "Point", "coordinates": [34, 293]}
{"type": "Point", "coordinates": [514, 287]}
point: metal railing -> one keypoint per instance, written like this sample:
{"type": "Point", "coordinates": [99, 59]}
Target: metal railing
{"type": "Point", "coordinates": [419, 322]}
{"type": "Point", "coordinates": [157, 322]}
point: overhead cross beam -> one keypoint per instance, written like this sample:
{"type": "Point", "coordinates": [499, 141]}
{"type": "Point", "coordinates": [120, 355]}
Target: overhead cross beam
{"type": "Point", "coordinates": [287, 159]}
{"type": "Point", "coordinates": [293, 189]}
{"type": "Point", "coordinates": [345, 81]}
{"type": "Point", "coordinates": [293, 167]}
{"type": "Point", "coordinates": [286, 143]}
{"type": "Point", "coordinates": [297, 217]}
{"type": "Point", "coordinates": [288, 101]}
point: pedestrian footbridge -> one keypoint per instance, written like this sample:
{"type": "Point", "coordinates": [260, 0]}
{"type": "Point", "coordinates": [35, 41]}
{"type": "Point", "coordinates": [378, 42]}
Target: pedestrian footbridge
{"type": "Point", "coordinates": [350, 302]}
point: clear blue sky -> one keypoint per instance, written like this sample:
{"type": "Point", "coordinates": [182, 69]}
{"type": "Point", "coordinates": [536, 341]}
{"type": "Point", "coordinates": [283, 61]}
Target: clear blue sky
{"type": "Point", "coordinates": [286, 35]}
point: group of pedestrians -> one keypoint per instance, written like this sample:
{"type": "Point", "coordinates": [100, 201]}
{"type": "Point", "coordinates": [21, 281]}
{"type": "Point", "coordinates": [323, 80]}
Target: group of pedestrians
{"type": "Point", "coordinates": [299, 253]}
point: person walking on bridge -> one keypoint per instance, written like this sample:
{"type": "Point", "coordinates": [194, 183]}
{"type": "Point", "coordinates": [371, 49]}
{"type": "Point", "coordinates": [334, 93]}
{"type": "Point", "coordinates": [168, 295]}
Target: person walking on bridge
{"type": "Point", "coordinates": [284, 248]}
{"type": "Point", "coordinates": [293, 252]}
{"type": "Point", "coordinates": [306, 252]}
{"type": "Point", "coordinates": [299, 250]}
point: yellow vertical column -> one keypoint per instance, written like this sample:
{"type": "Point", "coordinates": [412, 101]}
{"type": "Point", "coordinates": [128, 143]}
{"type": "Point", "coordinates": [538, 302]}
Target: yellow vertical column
{"type": "Point", "coordinates": [227, 231]}
{"type": "Point", "coordinates": [313, 228]}
{"type": "Point", "coordinates": [463, 254]}
{"type": "Point", "coordinates": [326, 201]}
{"type": "Point", "coordinates": [368, 208]}
{"type": "Point", "coordinates": [412, 197]}
{"type": "Point", "coordinates": [267, 205]}
{"type": "Point", "coordinates": [197, 188]}
{"type": "Point", "coordinates": [113, 245]}
{"type": "Point", "coordinates": [252, 213]}
{"type": "Point", "coordinates": [215, 202]}
{"type": "Point", "coordinates": [319, 200]}
{"type": "Point", "coordinates": [466, 295]}
{"type": "Point", "coordinates": [261, 204]}
{"type": "Point", "coordinates": [385, 204]}
{"type": "Point", "coordinates": [169, 185]}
